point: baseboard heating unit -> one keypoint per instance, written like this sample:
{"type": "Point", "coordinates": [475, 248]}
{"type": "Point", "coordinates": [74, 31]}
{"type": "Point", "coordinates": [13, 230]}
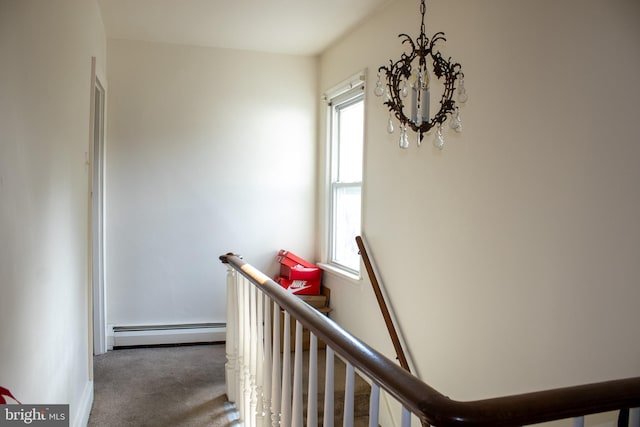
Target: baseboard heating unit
{"type": "Point", "coordinates": [128, 336]}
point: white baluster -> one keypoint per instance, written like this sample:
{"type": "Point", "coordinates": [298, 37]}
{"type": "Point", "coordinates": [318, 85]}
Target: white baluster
{"type": "Point", "coordinates": [253, 354]}
{"type": "Point", "coordinates": [634, 417]}
{"type": "Point", "coordinates": [260, 358]}
{"type": "Point", "coordinates": [312, 393]}
{"type": "Point", "coordinates": [267, 363]}
{"type": "Point", "coordinates": [328, 389]}
{"type": "Point", "coordinates": [578, 422]}
{"type": "Point", "coordinates": [276, 379]}
{"type": "Point", "coordinates": [285, 408]}
{"type": "Point", "coordinates": [240, 284]}
{"type": "Point", "coordinates": [406, 418]}
{"type": "Point", "coordinates": [374, 405]}
{"type": "Point", "coordinates": [347, 420]}
{"type": "Point", "coordinates": [296, 409]}
{"type": "Point", "coordinates": [248, 416]}
{"type": "Point", "coordinates": [231, 340]}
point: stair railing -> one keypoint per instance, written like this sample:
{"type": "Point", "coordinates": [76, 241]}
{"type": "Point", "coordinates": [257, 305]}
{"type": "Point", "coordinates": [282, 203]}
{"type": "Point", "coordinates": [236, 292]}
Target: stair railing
{"type": "Point", "coordinates": [267, 387]}
{"type": "Point", "coordinates": [382, 303]}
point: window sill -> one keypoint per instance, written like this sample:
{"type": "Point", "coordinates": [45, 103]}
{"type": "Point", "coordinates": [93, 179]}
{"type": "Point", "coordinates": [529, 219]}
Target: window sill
{"type": "Point", "coordinates": [339, 272]}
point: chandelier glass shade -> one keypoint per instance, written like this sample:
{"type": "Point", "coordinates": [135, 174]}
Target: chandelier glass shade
{"type": "Point", "coordinates": [407, 90]}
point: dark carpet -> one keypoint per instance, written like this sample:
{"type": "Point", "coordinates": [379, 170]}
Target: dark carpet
{"type": "Point", "coordinates": [162, 386]}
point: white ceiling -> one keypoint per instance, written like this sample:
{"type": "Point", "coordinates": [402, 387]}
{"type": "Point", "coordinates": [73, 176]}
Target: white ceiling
{"type": "Point", "coordinates": [301, 27]}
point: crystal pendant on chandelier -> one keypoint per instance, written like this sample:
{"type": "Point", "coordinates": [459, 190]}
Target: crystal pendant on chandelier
{"type": "Point", "coordinates": [438, 141]}
{"type": "Point", "coordinates": [462, 92]}
{"type": "Point", "coordinates": [390, 127]}
{"type": "Point", "coordinates": [379, 90]}
{"type": "Point", "coordinates": [404, 138]}
{"type": "Point", "coordinates": [456, 122]}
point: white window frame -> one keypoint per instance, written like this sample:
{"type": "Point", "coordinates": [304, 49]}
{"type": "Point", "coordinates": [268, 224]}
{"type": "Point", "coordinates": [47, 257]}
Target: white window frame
{"type": "Point", "coordinates": [341, 96]}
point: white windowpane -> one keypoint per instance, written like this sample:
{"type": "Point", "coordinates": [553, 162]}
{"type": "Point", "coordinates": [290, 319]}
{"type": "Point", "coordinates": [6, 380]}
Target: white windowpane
{"type": "Point", "coordinates": [350, 137]}
{"type": "Point", "coordinates": [346, 226]}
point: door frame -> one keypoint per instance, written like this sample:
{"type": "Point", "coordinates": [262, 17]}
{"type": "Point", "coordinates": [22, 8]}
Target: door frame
{"type": "Point", "coordinates": [96, 160]}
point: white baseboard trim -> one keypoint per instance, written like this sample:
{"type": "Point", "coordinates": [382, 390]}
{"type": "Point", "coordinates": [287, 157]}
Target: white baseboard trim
{"type": "Point", "coordinates": [110, 338]}
{"type": "Point", "coordinates": [131, 336]}
{"type": "Point", "coordinates": [81, 413]}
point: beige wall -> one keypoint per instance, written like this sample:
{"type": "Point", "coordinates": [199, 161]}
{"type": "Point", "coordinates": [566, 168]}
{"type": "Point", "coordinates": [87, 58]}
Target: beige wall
{"type": "Point", "coordinates": [45, 87]}
{"type": "Point", "coordinates": [209, 151]}
{"type": "Point", "coordinates": [512, 257]}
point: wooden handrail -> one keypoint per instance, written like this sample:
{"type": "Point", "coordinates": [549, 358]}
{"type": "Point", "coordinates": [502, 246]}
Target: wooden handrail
{"type": "Point", "coordinates": [431, 406]}
{"type": "Point", "coordinates": [382, 303]}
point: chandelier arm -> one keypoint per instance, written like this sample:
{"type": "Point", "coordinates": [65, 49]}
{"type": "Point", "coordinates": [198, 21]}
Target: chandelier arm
{"type": "Point", "coordinates": [438, 36]}
{"type": "Point", "coordinates": [408, 39]}
{"type": "Point", "coordinates": [444, 68]}
{"type": "Point", "coordinates": [394, 84]}
{"type": "Point", "coordinates": [394, 75]}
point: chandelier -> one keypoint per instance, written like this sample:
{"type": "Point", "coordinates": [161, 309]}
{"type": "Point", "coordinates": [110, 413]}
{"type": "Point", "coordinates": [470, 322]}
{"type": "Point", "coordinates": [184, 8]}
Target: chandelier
{"type": "Point", "coordinates": [411, 75]}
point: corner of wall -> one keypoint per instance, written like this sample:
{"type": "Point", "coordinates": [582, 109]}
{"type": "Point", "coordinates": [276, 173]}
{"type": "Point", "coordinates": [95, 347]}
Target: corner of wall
{"type": "Point", "coordinates": [81, 414]}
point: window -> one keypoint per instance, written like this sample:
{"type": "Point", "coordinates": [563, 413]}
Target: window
{"type": "Point", "coordinates": [345, 141]}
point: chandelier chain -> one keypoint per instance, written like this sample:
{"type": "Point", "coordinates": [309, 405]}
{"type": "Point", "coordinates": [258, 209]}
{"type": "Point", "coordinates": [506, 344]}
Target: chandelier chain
{"type": "Point", "coordinates": [423, 9]}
